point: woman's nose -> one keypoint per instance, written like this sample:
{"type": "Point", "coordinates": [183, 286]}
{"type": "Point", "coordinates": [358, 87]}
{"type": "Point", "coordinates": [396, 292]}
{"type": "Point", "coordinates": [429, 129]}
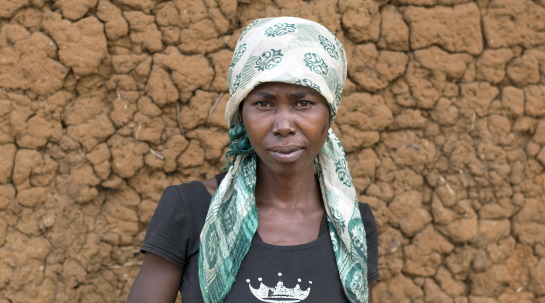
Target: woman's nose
{"type": "Point", "coordinates": [283, 124]}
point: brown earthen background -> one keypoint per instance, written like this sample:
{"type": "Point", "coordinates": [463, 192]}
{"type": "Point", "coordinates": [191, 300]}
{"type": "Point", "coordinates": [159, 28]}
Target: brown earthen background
{"type": "Point", "coordinates": [103, 103]}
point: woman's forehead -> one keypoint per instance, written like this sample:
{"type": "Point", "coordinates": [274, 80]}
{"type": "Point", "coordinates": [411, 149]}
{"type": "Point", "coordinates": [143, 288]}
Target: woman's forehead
{"type": "Point", "coordinates": [273, 88]}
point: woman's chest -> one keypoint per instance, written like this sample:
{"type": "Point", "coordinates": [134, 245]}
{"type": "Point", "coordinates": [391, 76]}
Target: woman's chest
{"type": "Point", "coordinates": [278, 230]}
{"type": "Point", "coordinates": [302, 273]}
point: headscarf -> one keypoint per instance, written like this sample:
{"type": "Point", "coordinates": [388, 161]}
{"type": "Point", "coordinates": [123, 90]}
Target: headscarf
{"type": "Point", "coordinates": [296, 51]}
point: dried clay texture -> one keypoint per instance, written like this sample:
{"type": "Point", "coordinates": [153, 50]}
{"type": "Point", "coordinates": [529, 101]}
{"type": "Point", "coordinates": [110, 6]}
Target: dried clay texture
{"type": "Point", "coordinates": [104, 103]}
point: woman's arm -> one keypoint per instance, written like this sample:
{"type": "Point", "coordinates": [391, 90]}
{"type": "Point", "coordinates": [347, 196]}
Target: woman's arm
{"type": "Point", "coordinates": [370, 300]}
{"type": "Point", "coordinates": [158, 281]}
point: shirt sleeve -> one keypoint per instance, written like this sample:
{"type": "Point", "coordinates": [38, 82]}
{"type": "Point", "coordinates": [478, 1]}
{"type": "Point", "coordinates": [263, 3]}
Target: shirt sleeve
{"type": "Point", "coordinates": [168, 231]}
{"type": "Point", "coordinates": [371, 235]}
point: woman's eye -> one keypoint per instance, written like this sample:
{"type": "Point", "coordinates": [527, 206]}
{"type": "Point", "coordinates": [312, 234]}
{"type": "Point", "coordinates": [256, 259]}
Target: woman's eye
{"type": "Point", "coordinates": [304, 104]}
{"type": "Point", "coordinates": [262, 104]}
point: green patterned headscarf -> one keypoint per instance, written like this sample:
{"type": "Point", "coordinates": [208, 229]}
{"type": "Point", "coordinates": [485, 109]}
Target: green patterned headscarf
{"type": "Point", "coordinates": [295, 51]}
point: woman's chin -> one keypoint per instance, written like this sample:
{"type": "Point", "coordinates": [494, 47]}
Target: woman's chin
{"type": "Point", "coordinates": [286, 168]}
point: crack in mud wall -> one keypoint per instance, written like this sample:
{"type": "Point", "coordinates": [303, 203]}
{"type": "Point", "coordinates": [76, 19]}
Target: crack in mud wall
{"type": "Point", "coordinates": [104, 103]}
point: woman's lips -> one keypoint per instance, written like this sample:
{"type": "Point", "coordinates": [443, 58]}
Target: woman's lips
{"type": "Point", "coordinates": [286, 153]}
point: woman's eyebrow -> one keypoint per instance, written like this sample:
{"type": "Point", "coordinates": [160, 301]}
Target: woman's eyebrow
{"type": "Point", "coordinates": [298, 95]}
{"type": "Point", "coordinates": [301, 95]}
{"type": "Point", "coordinates": [264, 95]}
{"type": "Point", "coordinates": [271, 96]}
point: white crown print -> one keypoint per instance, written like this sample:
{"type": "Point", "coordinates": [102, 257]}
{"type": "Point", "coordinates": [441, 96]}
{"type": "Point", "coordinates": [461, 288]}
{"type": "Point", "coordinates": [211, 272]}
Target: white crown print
{"type": "Point", "coordinates": [279, 293]}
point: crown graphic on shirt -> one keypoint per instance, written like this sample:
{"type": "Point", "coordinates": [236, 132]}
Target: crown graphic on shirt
{"type": "Point", "coordinates": [279, 293]}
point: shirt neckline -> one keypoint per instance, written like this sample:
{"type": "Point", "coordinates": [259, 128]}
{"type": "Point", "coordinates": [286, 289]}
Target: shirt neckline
{"type": "Point", "coordinates": [322, 234]}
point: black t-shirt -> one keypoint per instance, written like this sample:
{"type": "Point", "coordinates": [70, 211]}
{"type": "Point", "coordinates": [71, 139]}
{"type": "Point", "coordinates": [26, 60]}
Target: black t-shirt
{"type": "Point", "coordinates": [268, 273]}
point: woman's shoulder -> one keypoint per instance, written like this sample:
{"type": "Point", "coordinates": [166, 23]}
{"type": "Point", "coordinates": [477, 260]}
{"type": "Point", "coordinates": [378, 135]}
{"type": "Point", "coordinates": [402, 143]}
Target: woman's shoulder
{"type": "Point", "coordinates": [198, 189]}
{"type": "Point", "coordinates": [213, 183]}
{"type": "Point", "coordinates": [364, 208]}
{"type": "Point", "coordinates": [367, 217]}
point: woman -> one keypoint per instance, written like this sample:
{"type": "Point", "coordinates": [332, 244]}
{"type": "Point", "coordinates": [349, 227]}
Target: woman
{"type": "Point", "coordinates": [283, 224]}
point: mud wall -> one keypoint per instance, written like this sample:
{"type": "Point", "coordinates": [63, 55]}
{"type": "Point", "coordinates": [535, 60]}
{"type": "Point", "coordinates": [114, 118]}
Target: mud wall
{"type": "Point", "coordinates": [103, 103]}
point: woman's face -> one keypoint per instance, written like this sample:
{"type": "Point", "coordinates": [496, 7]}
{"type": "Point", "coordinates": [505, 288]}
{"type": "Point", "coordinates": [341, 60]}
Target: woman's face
{"type": "Point", "coordinates": [287, 125]}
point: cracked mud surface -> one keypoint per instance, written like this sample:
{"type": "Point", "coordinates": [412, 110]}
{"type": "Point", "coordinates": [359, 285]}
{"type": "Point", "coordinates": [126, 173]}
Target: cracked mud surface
{"type": "Point", "coordinates": [104, 103]}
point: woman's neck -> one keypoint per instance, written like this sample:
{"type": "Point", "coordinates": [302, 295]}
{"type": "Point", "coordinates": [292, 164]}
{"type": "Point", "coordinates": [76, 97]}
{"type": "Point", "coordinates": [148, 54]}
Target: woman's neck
{"type": "Point", "coordinates": [288, 191]}
{"type": "Point", "coordinates": [290, 206]}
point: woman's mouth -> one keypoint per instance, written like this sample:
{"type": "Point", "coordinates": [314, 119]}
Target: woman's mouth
{"type": "Point", "coordinates": [286, 153]}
